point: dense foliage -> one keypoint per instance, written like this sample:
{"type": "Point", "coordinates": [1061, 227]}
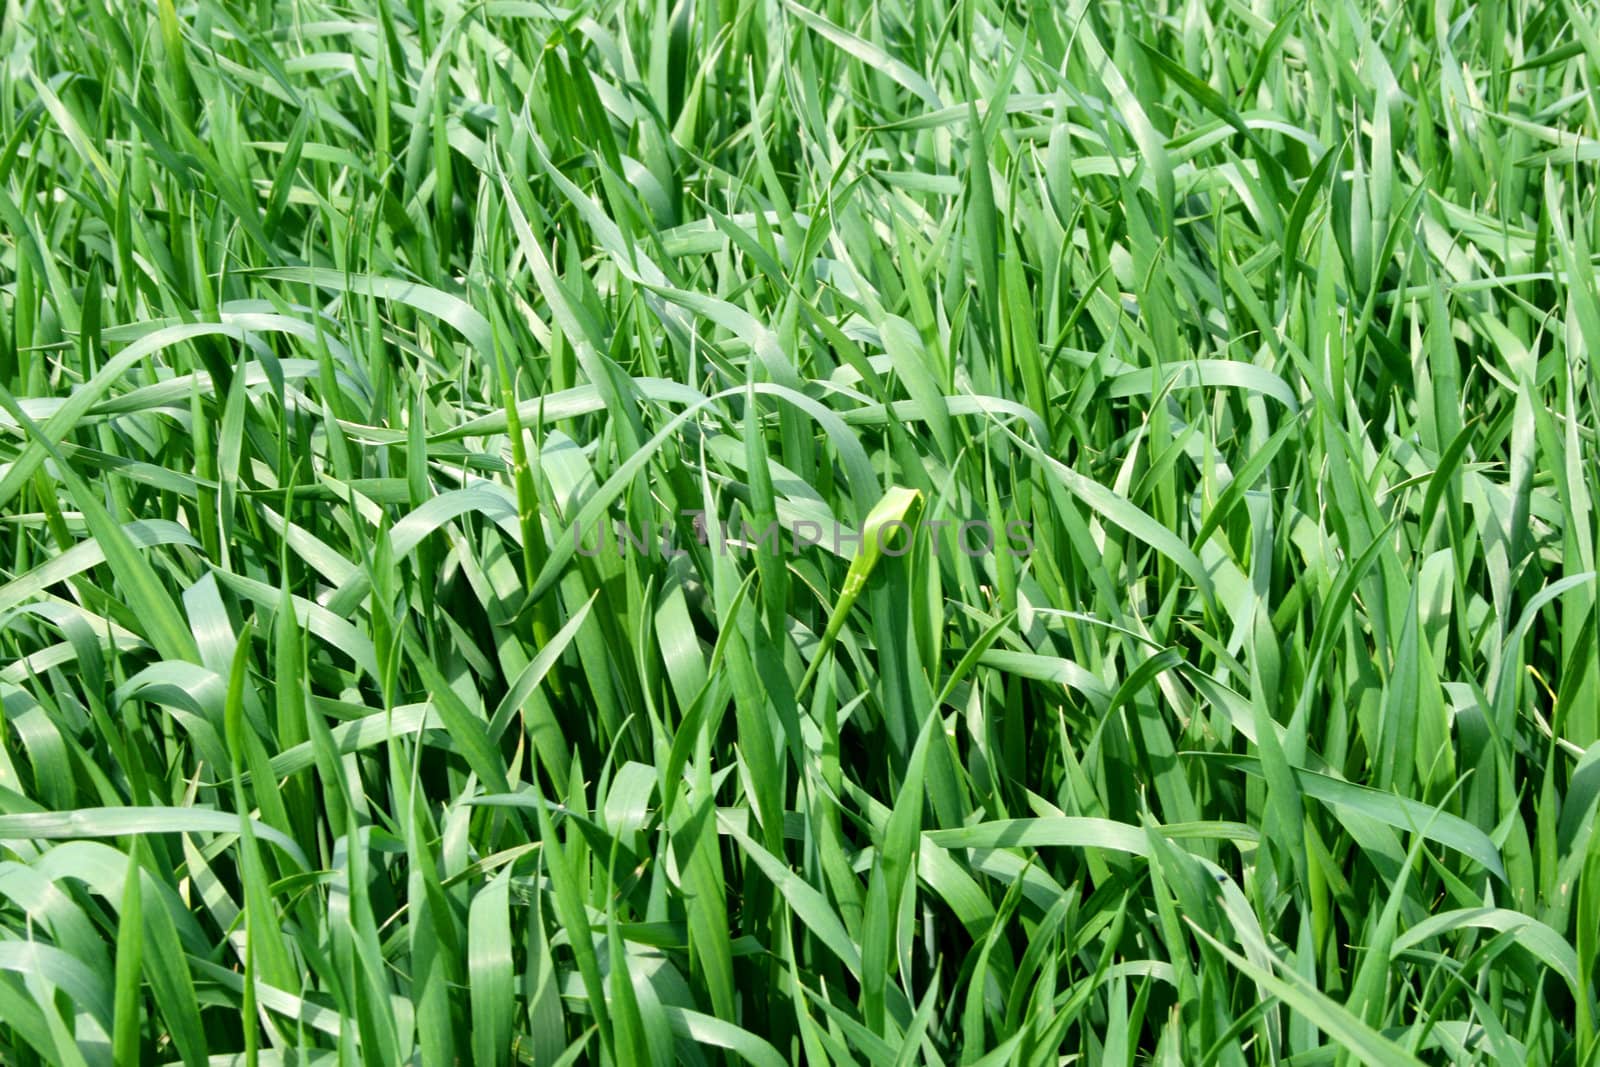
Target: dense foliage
{"type": "Point", "coordinates": [334, 336]}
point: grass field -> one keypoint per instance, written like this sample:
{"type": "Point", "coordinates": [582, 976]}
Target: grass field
{"type": "Point", "coordinates": [334, 336]}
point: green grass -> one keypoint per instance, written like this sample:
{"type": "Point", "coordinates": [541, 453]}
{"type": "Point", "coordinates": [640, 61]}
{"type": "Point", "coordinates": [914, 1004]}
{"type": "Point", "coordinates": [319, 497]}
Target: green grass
{"type": "Point", "coordinates": [323, 327]}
